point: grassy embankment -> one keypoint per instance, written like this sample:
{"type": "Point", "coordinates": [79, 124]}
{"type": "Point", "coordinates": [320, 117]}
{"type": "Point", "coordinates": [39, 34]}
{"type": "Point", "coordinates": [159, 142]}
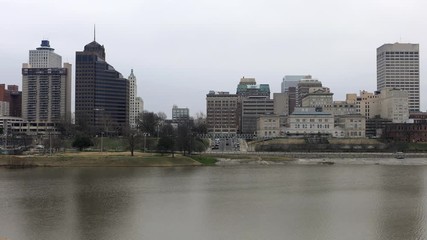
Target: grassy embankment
{"type": "Point", "coordinates": [97, 159]}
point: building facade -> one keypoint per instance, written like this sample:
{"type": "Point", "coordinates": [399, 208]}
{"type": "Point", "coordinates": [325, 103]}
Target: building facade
{"type": "Point", "coordinates": [317, 97]}
{"type": "Point", "coordinates": [139, 104]}
{"type": "Point", "coordinates": [406, 132]}
{"type": "Point", "coordinates": [46, 86]}
{"type": "Point", "coordinates": [290, 86]}
{"type": "Point", "coordinates": [180, 115]}
{"type": "Point", "coordinates": [4, 101]}
{"type": "Point", "coordinates": [349, 126]}
{"type": "Point", "coordinates": [291, 81]}
{"type": "Point", "coordinates": [252, 108]}
{"type": "Point", "coordinates": [135, 102]}
{"type": "Point", "coordinates": [15, 101]}
{"type": "Point", "coordinates": [303, 88]}
{"type": "Point", "coordinates": [221, 112]}
{"type": "Point", "coordinates": [253, 101]}
{"type": "Point", "coordinates": [102, 94]}
{"type": "Point", "coordinates": [394, 105]}
{"type": "Point", "coordinates": [398, 66]}
{"type": "Point", "coordinates": [309, 121]}
{"type": "Point", "coordinates": [268, 126]}
{"type": "Point", "coordinates": [390, 103]}
{"type": "Point", "coordinates": [281, 103]}
{"type": "Point", "coordinates": [338, 108]}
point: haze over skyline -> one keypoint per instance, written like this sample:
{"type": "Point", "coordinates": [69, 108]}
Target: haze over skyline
{"type": "Point", "coordinates": [180, 50]}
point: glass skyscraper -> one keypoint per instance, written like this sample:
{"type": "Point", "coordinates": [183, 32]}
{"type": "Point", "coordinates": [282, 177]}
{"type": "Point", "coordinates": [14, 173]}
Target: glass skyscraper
{"type": "Point", "coordinates": [102, 96]}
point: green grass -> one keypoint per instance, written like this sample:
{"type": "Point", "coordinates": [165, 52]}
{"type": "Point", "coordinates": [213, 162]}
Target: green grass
{"type": "Point", "coordinates": [205, 160]}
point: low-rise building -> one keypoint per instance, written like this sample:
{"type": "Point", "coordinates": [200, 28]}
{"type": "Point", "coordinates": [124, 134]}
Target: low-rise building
{"type": "Point", "coordinates": [350, 126]}
{"type": "Point", "coordinates": [406, 132]}
{"type": "Point", "coordinates": [317, 97]}
{"type": "Point", "coordinates": [305, 121]}
{"type": "Point", "coordinates": [339, 108]}
{"type": "Point", "coordinates": [418, 117]}
{"type": "Point", "coordinates": [268, 126]}
{"type": "Point", "coordinates": [389, 103]}
{"type": "Point", "coordinates": [375, 127]}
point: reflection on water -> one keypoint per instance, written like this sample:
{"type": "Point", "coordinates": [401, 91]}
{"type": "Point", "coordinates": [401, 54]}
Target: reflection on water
{"type": "Point", "coordinates": [401, 208]}
{"type": "Point", "coordinates": [236, 202]}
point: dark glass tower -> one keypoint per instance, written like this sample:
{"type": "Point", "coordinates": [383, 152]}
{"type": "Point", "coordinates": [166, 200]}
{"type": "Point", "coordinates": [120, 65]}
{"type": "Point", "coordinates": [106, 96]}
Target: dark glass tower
{"type": "Point", "coordinates": [101, 93]}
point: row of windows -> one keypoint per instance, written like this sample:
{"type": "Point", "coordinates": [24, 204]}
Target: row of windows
{"type": "Point", "coordinates": [312, 120]}
{"type": "Point", "coordinates": [311, 125]}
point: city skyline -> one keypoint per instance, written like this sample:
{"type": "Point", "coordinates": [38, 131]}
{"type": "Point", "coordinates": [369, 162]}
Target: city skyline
{"type": "Point", "coordinates": [210, 46]}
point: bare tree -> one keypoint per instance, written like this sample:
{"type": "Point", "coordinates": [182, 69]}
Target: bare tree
{"type": "Point", "coordinates": [133, 136]}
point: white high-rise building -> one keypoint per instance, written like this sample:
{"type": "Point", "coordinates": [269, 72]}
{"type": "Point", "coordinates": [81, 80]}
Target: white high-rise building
{"type": "Point", "coordinates": [46, 86]}
{"type": "Point", "coordinates": [45, 57]}
{"type": "Point", "coordinates": [398, 66]}
{"type": "Point", "coordinates": [136, 105]}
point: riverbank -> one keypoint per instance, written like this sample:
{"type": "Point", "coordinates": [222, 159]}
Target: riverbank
{"type": "Point", "coordinates": [124, 159]}
{"type": "Point", "coordinates": [97, 159]}
{"type": "Point", "coordinates": [306, 155]}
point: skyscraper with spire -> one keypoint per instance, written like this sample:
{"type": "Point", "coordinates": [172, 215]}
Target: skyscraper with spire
{"type": "Point", "coordinates": [135, 103]}
{"type": "Point", "coordinates": [102, 94]}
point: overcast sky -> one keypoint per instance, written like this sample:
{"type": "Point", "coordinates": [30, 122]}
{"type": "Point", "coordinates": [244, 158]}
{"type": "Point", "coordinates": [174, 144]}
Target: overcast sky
{"type": "Point", "coordinates": [180, 50]}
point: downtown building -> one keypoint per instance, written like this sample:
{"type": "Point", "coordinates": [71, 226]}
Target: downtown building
{"type": "Point", "coordinates": [10, 101]}
{"type": "Point", "coordinates": [221, 113]}
{"type": "Point", "coordinates": [289, 86]}
{"type": "Point", "coordinates": [102, 94]}
{"type": "Point", "coordinates": [390, 103]}
{"type": "Point", "coordinates": [398, 66]}
{"type": "Point", "coordinates": [180, 115]}
{"type": "Point", "coordinates": [253, 101]}
{"type": "Point", "coordinates": [46, 87]}
{"type": "Point", "coordinates": [136, 104]}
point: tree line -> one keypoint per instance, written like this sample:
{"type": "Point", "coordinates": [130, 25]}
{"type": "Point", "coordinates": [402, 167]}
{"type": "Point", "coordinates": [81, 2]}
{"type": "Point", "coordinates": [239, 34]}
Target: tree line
{"type": "Point", "coordinates": [153, 132]}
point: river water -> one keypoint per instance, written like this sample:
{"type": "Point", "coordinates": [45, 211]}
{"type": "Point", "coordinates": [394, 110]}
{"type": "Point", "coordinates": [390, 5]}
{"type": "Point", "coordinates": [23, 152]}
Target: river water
{"type": "Point", "coordinates": [341, 201]}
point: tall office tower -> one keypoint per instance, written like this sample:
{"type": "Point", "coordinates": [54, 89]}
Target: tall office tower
{"type": "Point", "coordinates": [221, 114]}
{"type": "Point", "coordinates": [102, 94]}
{"type": "Point", "coordinates": [46, 86]}
{"type": "Point", "coordinates": [252, 107]}
{"type": "Point", "coordinates": [253, 101]}
{"type": "Point", "coordinates": [134, 101]}
{"type": "Point", "coordinates": [398, 66]}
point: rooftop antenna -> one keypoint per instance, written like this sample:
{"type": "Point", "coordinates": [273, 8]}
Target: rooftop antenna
{"type": "Point", "coordinates": [94, 32]}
